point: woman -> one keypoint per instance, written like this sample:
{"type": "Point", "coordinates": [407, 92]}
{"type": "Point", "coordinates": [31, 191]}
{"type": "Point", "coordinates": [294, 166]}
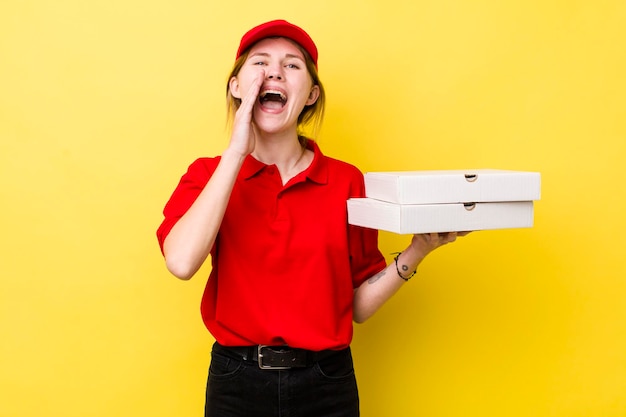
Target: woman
{"type": "Point", "coordinates": [289, 275]}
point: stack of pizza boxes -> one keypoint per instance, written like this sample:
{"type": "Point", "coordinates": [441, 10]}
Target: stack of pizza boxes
{"type": "Point", "coordinates": [410, 202]}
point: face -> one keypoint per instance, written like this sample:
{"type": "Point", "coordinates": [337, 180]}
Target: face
{"type": "Point", "coordinates": [287, 86]}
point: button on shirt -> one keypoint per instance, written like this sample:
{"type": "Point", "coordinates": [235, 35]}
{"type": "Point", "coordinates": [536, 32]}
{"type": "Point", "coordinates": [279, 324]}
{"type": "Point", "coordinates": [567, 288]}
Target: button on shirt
{"type": "Point", "coordinates": [285, 262]}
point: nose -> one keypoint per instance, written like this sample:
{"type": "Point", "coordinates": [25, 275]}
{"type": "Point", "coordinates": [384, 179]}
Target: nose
{"type": "Point", "coordinates": [274, 74]}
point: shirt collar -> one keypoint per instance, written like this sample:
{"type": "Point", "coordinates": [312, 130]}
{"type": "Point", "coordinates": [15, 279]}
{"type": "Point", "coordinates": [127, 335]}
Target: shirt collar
{"type": "Point", "coordinates": [251, 167]}
{"type": "Point", "coordinates": [316, 172]}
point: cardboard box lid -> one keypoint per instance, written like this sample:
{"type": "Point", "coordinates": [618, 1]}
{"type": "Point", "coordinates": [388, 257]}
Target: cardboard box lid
{"type": "Point", "coordinates": [455, 186]}
{"type": "Point", "coordinates": [434, 218]}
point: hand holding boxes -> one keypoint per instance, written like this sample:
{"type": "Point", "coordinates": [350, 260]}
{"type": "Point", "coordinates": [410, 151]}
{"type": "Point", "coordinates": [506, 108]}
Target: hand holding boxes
{"type": "Point", "coordinates": [410, 202]}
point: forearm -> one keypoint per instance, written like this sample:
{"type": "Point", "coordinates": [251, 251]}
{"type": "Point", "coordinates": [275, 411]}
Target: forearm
{"type": "Point", "coordinates": [189, 242]}
{"type": "Point", "coordinates": [374, 292]}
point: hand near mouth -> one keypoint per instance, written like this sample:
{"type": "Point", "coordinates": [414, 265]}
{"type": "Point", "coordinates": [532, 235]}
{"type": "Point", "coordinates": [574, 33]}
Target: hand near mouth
{"type": "Point", "coordinates": [243, 138]}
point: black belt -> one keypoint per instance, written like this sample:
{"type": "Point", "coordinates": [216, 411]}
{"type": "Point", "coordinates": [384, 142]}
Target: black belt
{"type": "Point", "coordinates": [276, 357]}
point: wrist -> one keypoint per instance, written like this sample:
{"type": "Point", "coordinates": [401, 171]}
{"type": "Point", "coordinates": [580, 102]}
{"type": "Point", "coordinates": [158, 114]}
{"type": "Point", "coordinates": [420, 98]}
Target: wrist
{"type": "Point", "coordinates": [233, 155]}
{"type": "Point", "coordinates": [412, 256]}
{"type": "Point", "coordinates": [405, 270]}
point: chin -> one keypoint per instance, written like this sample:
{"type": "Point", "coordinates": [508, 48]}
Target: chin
{"type": "Point", "coordinates": [273, 126]}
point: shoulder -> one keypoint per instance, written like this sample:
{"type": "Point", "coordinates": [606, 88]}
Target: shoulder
{"type": "Point", "coordinates": [205, 163]}
{"type": "Point", "coordinates": [328, 170]}
{"type": "Point", "coordinates": [334, 164]}
{"type": "Point", "coordinates": [198, 172]}
{"type": "Point", "coordinates": [345, 176]}
{"type": "Point", "coordinates": [203, 167]}
{"type": "Point", "coordinates": [343, 168]}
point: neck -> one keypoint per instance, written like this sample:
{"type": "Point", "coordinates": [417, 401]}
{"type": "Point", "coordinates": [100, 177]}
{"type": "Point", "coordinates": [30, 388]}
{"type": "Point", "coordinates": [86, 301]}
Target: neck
{"type": "Point", "coordinates": [278, 150]}
{"type": "Point", "coordinates": [285, 152]}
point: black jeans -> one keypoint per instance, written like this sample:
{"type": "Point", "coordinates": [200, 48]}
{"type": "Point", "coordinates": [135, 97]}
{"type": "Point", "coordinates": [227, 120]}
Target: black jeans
{"type": "Point", "coordinates": [239, 388]}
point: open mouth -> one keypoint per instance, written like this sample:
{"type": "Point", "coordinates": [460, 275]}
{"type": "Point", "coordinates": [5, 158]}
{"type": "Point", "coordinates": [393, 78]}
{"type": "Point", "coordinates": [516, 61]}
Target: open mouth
{"type": "Point", "coordinates": [272, 99]}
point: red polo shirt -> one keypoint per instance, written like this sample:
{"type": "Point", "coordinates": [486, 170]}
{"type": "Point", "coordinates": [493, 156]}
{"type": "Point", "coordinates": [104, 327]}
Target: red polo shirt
{"type": "Point", "coordinates": [286, 261]}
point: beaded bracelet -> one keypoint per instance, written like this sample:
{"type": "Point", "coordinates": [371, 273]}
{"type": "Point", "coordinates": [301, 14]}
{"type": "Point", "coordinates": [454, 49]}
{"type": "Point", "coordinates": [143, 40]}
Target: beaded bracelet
{"type": "Point", "coordinates": [398, 269]}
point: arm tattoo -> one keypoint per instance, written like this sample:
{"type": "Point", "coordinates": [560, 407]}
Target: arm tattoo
{"type": "Point", "coordinates": [376, 277]}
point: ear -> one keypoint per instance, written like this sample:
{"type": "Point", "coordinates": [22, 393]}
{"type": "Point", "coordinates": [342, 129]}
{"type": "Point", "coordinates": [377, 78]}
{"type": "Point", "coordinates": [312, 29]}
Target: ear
{"type": "Point", "coordinates": [233, 86]}
{"type": "Point", "coordinates": [313, 96]}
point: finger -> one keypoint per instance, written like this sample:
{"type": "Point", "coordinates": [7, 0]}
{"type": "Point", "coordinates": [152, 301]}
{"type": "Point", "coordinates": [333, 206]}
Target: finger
{"type": "Point", "coordinates": [446, 237]}
{"type": "Point", "coordinates": [255, 129]}
{"type": "Point", "coordinates": [253, 93]}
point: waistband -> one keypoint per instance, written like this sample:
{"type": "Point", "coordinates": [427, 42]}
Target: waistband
{"type": "Point", "coordinates": [276, 357]}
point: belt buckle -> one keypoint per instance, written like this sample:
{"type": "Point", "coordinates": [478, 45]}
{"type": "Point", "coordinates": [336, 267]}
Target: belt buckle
{"type": "Point", "coordinates": [262, 365]}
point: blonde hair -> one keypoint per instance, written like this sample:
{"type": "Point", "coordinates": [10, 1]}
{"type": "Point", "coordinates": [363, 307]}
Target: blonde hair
{"type": "Point", "coordinates": [312, 115]}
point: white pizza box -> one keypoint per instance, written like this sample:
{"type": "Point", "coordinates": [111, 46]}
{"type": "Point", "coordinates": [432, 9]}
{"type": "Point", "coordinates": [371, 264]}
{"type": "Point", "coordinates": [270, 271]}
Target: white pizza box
{"type": "Point", "coordinates": [432, 218]}
{"type": "Point", "coordinates": [455, 186]}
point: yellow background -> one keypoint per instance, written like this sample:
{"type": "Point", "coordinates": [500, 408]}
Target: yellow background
{"type": "Point", "coordinates": [103, 104]}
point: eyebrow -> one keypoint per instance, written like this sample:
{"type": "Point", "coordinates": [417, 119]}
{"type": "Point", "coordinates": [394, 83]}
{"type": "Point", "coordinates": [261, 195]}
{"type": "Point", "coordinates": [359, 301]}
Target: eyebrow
{"type": "Point", "coordinates": [265, 54]}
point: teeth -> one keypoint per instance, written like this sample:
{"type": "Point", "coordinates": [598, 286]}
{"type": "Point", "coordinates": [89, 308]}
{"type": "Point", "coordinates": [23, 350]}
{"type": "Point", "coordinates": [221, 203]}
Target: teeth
{"type": "Point", "coordinates": [276, 92]}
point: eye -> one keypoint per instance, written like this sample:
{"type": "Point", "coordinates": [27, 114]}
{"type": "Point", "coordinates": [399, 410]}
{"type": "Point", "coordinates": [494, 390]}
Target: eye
{"type": "Point", "coordinates": [292, 66]}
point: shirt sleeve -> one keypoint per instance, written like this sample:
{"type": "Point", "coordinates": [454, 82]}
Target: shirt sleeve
{"type": "Point", "coordinates": [366, 260]}
{"type": "Point", "coordinates": [190, 186]}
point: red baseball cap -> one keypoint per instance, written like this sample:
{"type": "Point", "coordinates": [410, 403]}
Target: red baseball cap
{"type": "Point", "coordinates": [280, 28]}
